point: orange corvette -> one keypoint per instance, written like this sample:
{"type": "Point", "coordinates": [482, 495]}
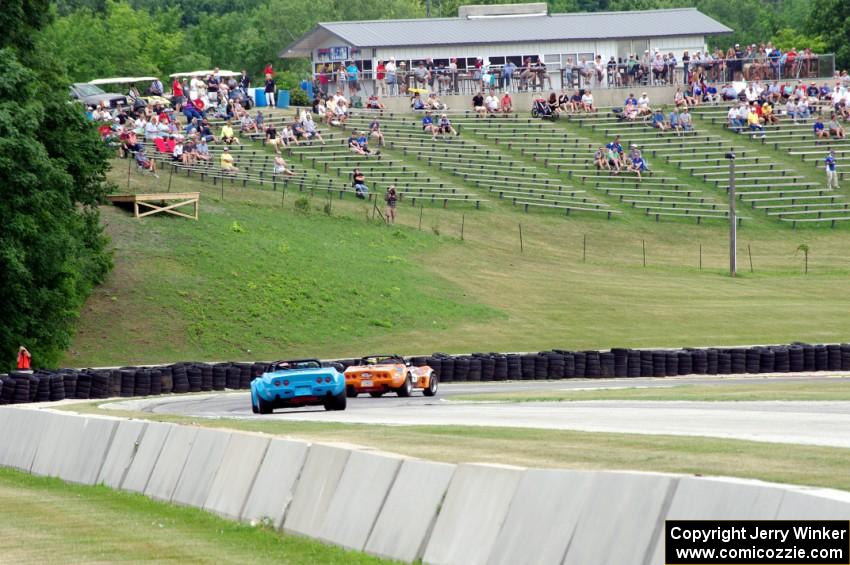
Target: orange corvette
{"type": "Point", "coordinates": [379, 374]}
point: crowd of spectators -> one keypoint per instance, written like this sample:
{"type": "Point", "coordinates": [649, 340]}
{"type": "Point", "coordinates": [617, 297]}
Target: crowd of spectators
{"type": "Point", "coordinates": [755, 62]}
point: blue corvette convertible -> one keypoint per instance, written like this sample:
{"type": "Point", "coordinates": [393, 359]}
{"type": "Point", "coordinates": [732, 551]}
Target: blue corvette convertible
{"type": "Point", "coordinates": [302, 382]}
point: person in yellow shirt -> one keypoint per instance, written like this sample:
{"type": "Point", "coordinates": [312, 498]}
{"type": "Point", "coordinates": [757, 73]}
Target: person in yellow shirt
{"type": "Point", "coordinates": [227, 162]}
{"type": "Point", "coordinates": [767, 113]}
{"type": "Point", "coordinates": [227, 134]}
{"type": "Point", "coordinates": [754, 122]}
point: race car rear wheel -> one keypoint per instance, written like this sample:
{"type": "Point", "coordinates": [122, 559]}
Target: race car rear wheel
{"type": "Point", "coordinates": [254, 408]}
{"type": "Point", "coordinates": [376, 394]}
{"type": "Point", "coordinates": [264, 407]}
{"type": "Point", "coordinates": [404, 390]}
{"type": "Point", "coordinates": [337, 402]}
{"type": "Point", "coordinates": [431, 390]}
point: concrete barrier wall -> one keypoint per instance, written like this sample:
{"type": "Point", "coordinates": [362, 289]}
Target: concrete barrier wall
{"type": "Point", "coordinates": [236, 474]}
{"type": "Point", "coordinates": [475, 507]}
{"type": "Point", "coordinates": [392, 506]}
{"type": "Point", "coordinates": [272, 490]}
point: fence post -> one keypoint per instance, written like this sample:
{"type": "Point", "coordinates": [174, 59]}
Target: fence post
{"type": "Point", "coordinates": [750, 253]}
{"type": "Point", "coordinates": [421, 209]}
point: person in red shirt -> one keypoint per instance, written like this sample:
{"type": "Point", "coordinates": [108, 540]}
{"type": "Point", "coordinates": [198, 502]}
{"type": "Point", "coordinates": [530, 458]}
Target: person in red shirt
{"type": "Point", "coordinates": [24, 359]}
{"type": "Point", "coordinates": [268, 70]}
{"type": "Point", "coordinates": [177, 96]}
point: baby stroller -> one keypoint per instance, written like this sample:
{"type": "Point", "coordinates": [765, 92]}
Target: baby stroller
{"type": "Point", "coordinates": [540, 109]}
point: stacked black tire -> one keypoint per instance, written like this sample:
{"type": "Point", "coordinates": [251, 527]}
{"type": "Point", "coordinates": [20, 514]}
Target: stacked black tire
{"type": "Point", "coordinates": [43, 386]}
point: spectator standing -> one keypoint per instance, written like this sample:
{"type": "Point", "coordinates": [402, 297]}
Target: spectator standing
{"type": "Point", "coordinates": [507, 74]}
{"type": "Point", "coordinates": [268, 70]}
{"type": "Point", "coordinates": [245, 81]}
{"type": "Point", "coordinates": [831, 175]}
{"type": "Point", "coordinates": [352, 74]}
{"type": "Point", "coordinates": [390, 69]}
{"type": "Point", "coordinates": [391, 198]}
{"type": "Point", "coordinates": [381, 78]}
{"type": "Point", "coordinates": [24, 359]}
{"type": "Point", "coordinates": [270, 88]}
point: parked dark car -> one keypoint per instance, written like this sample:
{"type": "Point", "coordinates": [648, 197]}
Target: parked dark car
{"type": "Point", "coordinates": [91, 95]}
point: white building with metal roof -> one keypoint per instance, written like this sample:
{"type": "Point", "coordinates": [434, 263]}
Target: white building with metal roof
{"type": "Point", "coordinates": [502, 33]}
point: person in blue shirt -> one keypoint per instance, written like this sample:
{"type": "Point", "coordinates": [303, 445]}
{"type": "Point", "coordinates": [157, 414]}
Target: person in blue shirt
{"type": "Point", "coordinates": [417, 103]}
{"type": "Point", "coordinates": [831, 175]}
{"type": "Point", "coordinates": [352, 72]}
{"type": "Point", "coordinates": [631, 99]}
{"type": "Point", "coordinates": [819, 129]}
{"type": "Point", "coordinates": [428, 124]}
{"type": "Point", "coordinates": [674, 121]}
{"type": "Point", "coordinates": [658, 121]}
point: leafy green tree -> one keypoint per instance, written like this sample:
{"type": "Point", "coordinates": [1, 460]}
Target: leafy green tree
{"type": "Point", "coordinates": [52, 166]}
{"type": "Point", "coordinates": [831, 20]}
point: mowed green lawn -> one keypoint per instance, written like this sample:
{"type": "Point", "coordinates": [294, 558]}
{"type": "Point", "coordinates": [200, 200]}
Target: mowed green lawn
{"type": "Point", "coordinates": [720, 392]}
{"type": "Point", "coordinates": [48, 521]}
{"type": "Point", "coordinates": [255, 279]}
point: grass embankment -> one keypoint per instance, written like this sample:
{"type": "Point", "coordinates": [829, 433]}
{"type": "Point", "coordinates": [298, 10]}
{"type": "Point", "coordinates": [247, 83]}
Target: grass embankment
{"type": "Point", "coordinates": [796, 464]}
{"type": "Point", "coordinates": [48, 521]}
{"type": "Point", "coordinates": [254, 278]}
{"type": "Point", "coordinates": [721, 392]}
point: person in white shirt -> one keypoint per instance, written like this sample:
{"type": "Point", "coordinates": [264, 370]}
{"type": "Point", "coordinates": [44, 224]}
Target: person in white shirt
{"type": "Point", "coordinates": [491, 103]}
{"type": "Point", "coordinates": [733, 121]}
{"type": "Point", "coordinates": [587, 102]}
{"type": "Point", "coordinates": [643, 105]}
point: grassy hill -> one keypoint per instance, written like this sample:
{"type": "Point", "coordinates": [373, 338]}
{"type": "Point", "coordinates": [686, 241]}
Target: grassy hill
{"type": "Point", "coordinates": [258, 277]}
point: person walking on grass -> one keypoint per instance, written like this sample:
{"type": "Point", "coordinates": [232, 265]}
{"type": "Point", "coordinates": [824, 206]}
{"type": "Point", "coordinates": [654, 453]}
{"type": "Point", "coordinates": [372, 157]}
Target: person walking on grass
{"type": "Point", "coordinates": [831, 174]}
{"type": "Point", "coordinates": [392, 198]}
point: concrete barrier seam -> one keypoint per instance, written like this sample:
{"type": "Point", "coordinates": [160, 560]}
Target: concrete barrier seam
{"type": "Point", "coordinates": [254, 479]}
{"type": "Point", "coordinates": [658, 534]}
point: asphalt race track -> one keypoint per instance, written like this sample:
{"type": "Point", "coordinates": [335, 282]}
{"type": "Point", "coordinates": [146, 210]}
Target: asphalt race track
{"type": "Point", "coordinates": [824, 423]}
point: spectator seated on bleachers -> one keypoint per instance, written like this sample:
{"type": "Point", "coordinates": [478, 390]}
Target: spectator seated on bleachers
{"type": "Point", "coordinates": [728, 93]}
{"type": "Point", "coordinates": [416, 102]}
{"type": "Point", "coordinates": [835, 129]}
{"type": "Point", "coordinates": [375, 131]}
{"type": "Point", "coordinates": [428, 123]}
{"type": "Point", "coordinates": [600, 159]}
{"type": "Point", "coordinates": [819, 129]}
{"type": "Point", "coordinates": [227, 135]}
{"type": "Point", "coordinates": [686, 121]}
{"type": "Point", "coordinates": [434, 103]}
{"type": "Point", "coordinates": [754, 122]}
{"type": "Point", "coordinates": [355, 146]}
{"type": "Point", "coordinates": [361, 190]}
{"type": "Point", "coordinates": [491, 102]}
{"type": "Point", "coordinates": [478, 104]}
{"type": "Point", "coordinates": [280, 166]}
{"type": "Point", "coordinates": [444, 127]}
{"type": "Point", "coordinates": [202, 151]}
{"type": "Point", "coordinates": [673, 120]}
{"type": "Point", "coordinates": [767, 114]}
{"type": "Point", "coordinates": [507, 103]}
{"type": "Point", "coordinates": [373, 103]}
{"type": "Point", "coordinates": [643, 106]}
{"type": "Point", "coordinates": [657, 121]}
{"type": "Point", "coordinates": [227, 163]}
{"type": "Point", "coordinates": [587, 102]}
{"type": "Point", "coordinates": [164, 145]}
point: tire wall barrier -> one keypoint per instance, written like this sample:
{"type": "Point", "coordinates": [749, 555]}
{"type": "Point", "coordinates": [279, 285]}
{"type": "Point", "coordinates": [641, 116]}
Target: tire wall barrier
{"type": "Point", "coordinates": [393, 506]}
{"type": "Point", "coordinates": [44, 386]}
